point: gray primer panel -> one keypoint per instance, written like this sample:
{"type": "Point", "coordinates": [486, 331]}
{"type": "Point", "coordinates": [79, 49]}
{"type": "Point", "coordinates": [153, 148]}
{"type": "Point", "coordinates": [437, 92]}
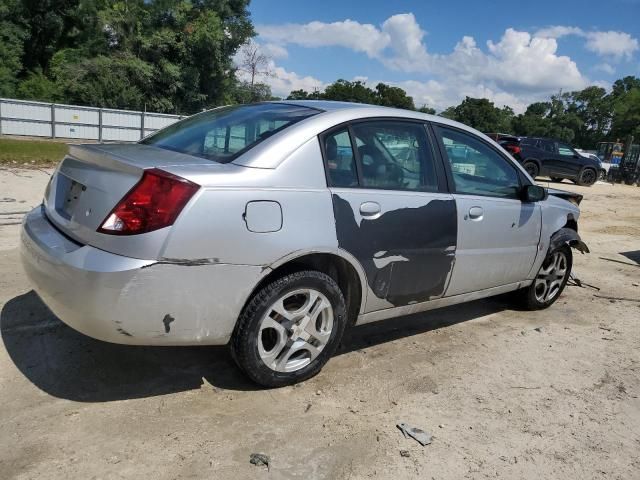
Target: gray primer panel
{"type": "Point", "coordinates": [418, 246]}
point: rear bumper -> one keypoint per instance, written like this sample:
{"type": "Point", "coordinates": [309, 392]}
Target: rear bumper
{"type": "Point", "coordinates": [130, 301]}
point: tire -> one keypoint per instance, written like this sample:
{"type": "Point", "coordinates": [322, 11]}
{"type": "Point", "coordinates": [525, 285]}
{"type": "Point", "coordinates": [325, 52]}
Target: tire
{"type": "Point", "coordinates": [534, 297]}
{"type": "Point", "coordinates": [587, 177]}
{"type": "Point", "coordinates": [283, 347]}
{"type": "Point", "coordinates": [557, 179]}
{"type": "Point", "coordinates": [532, 169]}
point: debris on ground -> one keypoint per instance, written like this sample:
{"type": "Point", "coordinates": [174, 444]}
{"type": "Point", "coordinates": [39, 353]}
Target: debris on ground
{"type": "Point", "coordinates": [259, 460]}
{"type": "Point", "coordinates": [307, 408]}
{"type": "Point", "coordinates": [420, 436]}
{"type": "Point", "coordinates": [575, 281]}
{"type": "Point", "coordinates": [621, 299]}
{"type": "Point", "coordinates": [405, 453]}
{"type": "Point", "coordinates": [538, 329]}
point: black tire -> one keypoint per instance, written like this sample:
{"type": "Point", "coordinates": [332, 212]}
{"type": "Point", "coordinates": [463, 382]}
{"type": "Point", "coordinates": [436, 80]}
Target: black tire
{"type": "Point", "coordinates": [529, 299]}
{"type": "Point", "coordinates": [587, 177]}
{"type": "Point", "coordinates": [244, 342]}
{"type": "Point", "coordinates": [557, 179]}
{"type": "Point", "coordinates": [532, 169]}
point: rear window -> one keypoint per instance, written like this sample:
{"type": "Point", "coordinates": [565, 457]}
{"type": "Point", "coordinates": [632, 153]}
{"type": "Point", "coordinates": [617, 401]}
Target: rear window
{"type": "Point", "coordinates": [225, 133]}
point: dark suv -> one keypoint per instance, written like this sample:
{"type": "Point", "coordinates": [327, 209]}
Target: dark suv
{"type": "Point", "coordinates": [552, 158]}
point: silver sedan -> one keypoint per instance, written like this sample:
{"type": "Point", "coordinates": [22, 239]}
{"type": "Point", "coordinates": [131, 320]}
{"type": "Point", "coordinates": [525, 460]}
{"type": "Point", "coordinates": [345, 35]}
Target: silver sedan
{"type": "Point", "coordinates": [275, 226]}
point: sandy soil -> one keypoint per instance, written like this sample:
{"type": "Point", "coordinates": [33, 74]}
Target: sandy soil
{"type": "Point", "coordinates": [505, 393]}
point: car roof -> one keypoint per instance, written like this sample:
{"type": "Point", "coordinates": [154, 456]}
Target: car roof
{"type": "Point", "coordinates": [275, 149]}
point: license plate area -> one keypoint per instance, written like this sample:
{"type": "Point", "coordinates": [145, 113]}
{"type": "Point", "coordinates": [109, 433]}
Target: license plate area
{"type": "Point", "coordinates": [68, 193]}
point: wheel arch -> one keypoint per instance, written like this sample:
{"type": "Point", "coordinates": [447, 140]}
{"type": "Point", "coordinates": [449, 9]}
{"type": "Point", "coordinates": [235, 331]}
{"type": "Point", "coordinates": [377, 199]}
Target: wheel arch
{"type": "Point", "coordinates": [338, 264]}
{"type": "Point", "coordinates": [568, 236]}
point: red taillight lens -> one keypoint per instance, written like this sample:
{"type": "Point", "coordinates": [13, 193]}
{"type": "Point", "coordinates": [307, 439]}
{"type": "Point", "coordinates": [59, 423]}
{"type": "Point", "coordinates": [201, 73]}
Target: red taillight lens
{"type": "Point", "coordinates": [153, 203]}
{"type": "Point", "coordinates": [513, 149]}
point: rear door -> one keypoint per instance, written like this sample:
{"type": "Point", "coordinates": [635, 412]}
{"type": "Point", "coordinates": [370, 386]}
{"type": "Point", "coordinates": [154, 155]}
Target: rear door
{"type": "Point", "coordinates": [569, 160]}
{"type": "Point", "coordinates": [498, 234]}
{"type": "Point", "coordinates": [391, 207]}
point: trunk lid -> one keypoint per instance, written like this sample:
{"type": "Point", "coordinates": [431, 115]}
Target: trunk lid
{"type": "Point", "coordinates": [92, 179]}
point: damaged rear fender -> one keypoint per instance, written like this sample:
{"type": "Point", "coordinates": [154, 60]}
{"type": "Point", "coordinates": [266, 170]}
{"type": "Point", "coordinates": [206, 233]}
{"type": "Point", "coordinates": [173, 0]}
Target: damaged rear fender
{"type": "Point", "coordinates": [569, 237]}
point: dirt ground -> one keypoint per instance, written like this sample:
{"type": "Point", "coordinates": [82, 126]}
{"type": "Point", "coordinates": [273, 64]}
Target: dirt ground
{"type": "Point", "coordinates": [505, 393]}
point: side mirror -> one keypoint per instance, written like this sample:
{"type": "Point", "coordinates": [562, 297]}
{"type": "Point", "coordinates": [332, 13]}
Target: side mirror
{"type": "Point", "coordinates": [533, 193]}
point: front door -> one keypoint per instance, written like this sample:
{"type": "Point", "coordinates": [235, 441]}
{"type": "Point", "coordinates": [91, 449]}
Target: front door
{"type": "Point", "coordinates": [498, 235]}
{"type": "Point", "coordinates": [391, 209]}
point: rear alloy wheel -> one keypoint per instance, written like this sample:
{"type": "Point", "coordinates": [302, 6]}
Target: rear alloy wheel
{"type": "Point", "coordinates": [532, 169]}
{"type": "Point", "coordinates": [550, 280]}
{"type": "Point", "coordinates": [289, 329]}
{"type": "Point", "coordinates": [587, 177]}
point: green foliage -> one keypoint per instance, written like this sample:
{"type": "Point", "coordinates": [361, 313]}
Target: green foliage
{"type": "Point", "coordinates": [31, 152]}
{"type": "Point", "coordinates": [171, 56]}
{"type": "Point", "coordinates": [482, 115]}
{"type": "Point", "coordinates": [358, 92]}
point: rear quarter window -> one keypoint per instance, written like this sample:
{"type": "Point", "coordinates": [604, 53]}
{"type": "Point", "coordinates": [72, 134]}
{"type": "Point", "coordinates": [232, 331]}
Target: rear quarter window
{"type": "Point", "coordinates": [223, 134]}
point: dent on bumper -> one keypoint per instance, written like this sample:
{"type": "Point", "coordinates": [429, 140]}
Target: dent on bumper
{"type": "Point", "coordinates": [131, 301]}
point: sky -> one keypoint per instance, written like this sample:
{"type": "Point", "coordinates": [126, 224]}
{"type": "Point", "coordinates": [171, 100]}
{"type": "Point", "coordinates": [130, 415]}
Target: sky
{"type": "Point", "coordinates": [511, 52]}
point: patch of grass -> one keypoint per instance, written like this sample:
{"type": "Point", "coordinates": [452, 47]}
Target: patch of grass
{"type": "Point", "coordinates": [25, 153]}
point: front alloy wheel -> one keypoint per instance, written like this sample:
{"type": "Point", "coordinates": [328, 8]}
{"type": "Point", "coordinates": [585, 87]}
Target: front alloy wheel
{"type": "Point", "coordinates": [550, 280]}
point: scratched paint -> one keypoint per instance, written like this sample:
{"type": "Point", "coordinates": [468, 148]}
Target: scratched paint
{"type": "Point", "coordinates": [407, 254]}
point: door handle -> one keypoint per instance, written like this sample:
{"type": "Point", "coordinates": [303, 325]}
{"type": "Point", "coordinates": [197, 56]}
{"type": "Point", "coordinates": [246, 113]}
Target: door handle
{"type": "Point", "coordinates": [369, 209]}
{"type": "Point", "coordinates": [476, 213]}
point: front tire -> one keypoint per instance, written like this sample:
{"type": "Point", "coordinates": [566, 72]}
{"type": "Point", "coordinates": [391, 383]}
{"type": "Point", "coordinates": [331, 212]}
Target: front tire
{"type": "Point", "coordinates": [550, 280]}
{"type": "Point", "coordinates": [290, 329]}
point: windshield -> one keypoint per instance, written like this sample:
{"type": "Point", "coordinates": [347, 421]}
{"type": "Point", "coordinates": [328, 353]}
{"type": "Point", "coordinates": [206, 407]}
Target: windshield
{"type": "Point", "coordinates": [225, 133]}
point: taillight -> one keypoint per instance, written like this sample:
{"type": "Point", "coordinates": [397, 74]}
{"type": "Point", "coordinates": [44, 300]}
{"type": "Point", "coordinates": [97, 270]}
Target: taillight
{"type": "Point", "coordinates": [153, 203]}
{"type": "Point", "coordinates": [513, 149]}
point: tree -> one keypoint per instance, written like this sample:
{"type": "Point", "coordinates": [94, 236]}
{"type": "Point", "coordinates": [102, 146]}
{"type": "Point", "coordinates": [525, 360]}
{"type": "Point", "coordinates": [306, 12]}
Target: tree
{"type": "Point", "coordinates": [393, 97]}
{"type": "Point", "coordinates": [427, 110]}
{"type": "Point", "coordinates": [481, 114]}
{"type": "Point", "coordinates": [345, 91]}
{"type": "Point", "coordinates": [171, 55]}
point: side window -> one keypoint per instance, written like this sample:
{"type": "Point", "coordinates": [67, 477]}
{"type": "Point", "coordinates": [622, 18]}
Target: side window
{"type": "Point", "coordinates": [547, 146]}
{"type": "Point", "coordinates": [395, 155]}
{"type": "Point", "coordinates": [565, 150]}
{"type": "Point", "coordinates": [477, 168]}
{"type": "Point", "coordinates": [341, 164]}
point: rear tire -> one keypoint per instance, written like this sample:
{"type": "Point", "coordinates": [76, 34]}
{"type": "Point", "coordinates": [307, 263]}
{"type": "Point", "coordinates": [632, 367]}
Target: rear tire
{"type": "Point", "coordinates": [289, 329]}
{"type": "Point", "coordinates": [550, 280]}
{"type": "Point", "coordinates": [532, 169]}
{"type": "Point", "coordinates": [587, 177]}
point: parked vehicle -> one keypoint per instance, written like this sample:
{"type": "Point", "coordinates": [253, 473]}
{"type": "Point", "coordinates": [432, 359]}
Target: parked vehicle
{"type": "Point", "coordinates": [553, 158]}
{"type": "Point", "coordinates": [274, 226]}
{"type": "Point", "coordinates": [604, 166]}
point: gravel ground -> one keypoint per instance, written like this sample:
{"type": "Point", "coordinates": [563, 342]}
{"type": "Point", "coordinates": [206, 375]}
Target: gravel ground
{"type": "Point", "coordinates": [505, 393]}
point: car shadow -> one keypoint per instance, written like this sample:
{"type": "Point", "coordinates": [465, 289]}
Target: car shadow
{"type": "Point", "coordinates": [633, 255]}
{"type": "Point", "coordinates": [67, 364]}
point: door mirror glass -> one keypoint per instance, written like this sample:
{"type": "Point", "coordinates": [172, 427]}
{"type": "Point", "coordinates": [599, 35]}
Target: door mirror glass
{"type": "Point", "coordinates": [533, 193]}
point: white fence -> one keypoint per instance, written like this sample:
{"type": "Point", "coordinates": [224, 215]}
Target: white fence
{"type": "Point", "coordinates": [53, 120]}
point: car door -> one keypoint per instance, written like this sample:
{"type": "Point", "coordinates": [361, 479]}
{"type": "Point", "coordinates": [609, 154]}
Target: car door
{"type": "Point", "coordinates": [548, 157]}
{"type": "Point", "coordinates": [498, 234]}
{"type": "Point", "coordinates": [569, 160]}
{"type": "Point", "coordinates": [392, 210]}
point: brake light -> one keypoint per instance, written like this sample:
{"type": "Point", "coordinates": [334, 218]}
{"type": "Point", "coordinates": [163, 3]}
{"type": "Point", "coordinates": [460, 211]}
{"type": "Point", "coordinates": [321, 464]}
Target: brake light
{"type": "Point", "coordinates": [153, 203]}
{"type": "Point", "coordinates": [513, 149]}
